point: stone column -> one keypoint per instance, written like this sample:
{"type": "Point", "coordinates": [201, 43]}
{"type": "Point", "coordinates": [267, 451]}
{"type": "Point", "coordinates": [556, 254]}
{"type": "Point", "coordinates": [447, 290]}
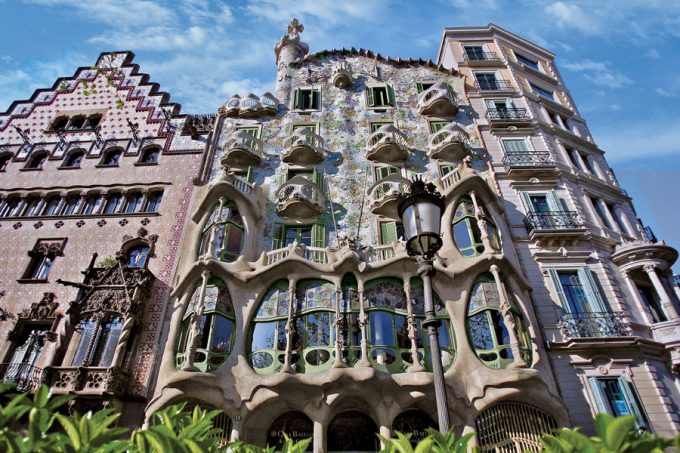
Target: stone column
{"type": "Point", "coordinates": [195, 327]}
{"type": "Point", "coordinates": [642, 306]}
{"type": "Point", "coordinates": [339, 363]}
{"type": "Point", "coordinates": [608, 215]}
{"type": "Point", "coordinates": [509, 319]}
{"type": "Point", "coordinates": [319, 442]}
{"type": "Point", "coordinates": [412, 330]}
{"type": "Point", "coordinates": [290, 328]}
{"type": "Point", "coordinates": [81, 203]}
{"type": "Point", "coordinates": [62, 202]}
{"type": "Point", "coordinates": [386, 432]}
{"type": "Point", "coordinates": [362, 325]}
{"type": "Point", "coordinates": [630, 231]}
{"type": "Point", "coordinates": [481, 222]}
{"type": "Point", "coordinates": [123, 201]}
{"type": "Point", "coordinates": [666, 301]}
{"type": "Point", "coordinates": [123, 340]}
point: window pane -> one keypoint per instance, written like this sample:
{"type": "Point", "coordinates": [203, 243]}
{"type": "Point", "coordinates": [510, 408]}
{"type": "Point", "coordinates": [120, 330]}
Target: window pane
{"type": "Point", "coordinates": [461, 235]}
{"type": "Point", "coordinates": [401, 325]}
{"type": "Point", "coordinates": [502, 335]}
{"type": "Point", "coordinates": [233, 246]}
{"type": "Point", "coordinates": [84, 331]}
{"type": "Point", "coordinates": [382, 330]}
{"type": "Point", "coordinates": [315, 329]}
{"type": "Point", "coordinates": [480, 331]}
{"type": "Point", "coordinates": [221, 335]}
{"type": "Point", "coordinates": [615, 396]}
{"type": "Point", "coordinates": [263, 336]}
{"type": "Point", "coordinates": [574, 292]}
{"type": "Point", "coordinates": [107, 343]}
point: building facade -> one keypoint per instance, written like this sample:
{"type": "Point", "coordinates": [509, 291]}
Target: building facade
{"type": "Point", "coordinates": [95, 184]}
{"type": "Point", "coordinates": [276, 284]}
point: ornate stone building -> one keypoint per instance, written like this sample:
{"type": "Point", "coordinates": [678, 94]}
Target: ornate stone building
{"type": "Point", "coordinates": [101, 163]}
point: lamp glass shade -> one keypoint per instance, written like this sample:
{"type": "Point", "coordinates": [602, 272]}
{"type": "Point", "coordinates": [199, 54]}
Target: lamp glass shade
{"type": "Point", "coordinates": [422, 226]}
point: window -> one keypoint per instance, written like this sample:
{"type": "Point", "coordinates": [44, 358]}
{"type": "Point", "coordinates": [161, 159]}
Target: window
{"type": "Point", "coordinates": [379, 96]}
{"type": "Point", "coordinates": [96, 342]}
{"type": "Point", "coordinates": [217, 327]}
{"type": "Point", "coordinates": [92, 204]}
{"type": "Point", "coordinates": [543, 202]}
{"type": "Point", "coordinates": [112, 156]}
{"type": "Point", "coordinates": [32, 205]}
{"type": "Point", "coordinates": [488, 333]}
{"type": "Point", "coordinates": [60, 123]}
{"type": "Point", "coordinates": [28, 347]}
{"type": "Point", "coordinates": [474, 52]}
{"type": "Point", "coordinates": [75, 123]}
{"type": "Point", "coordinates": [487, 81]}
{"type": "Point", "coordinates": [8, 207]}
{"type": "Point", "coordinates": [51, 205]}
{"type": "Point", "coordinates": [618, 218]}
{"type": "Point", "coordinates": [554, 118]}
{"type": "Point", "coordinates": [40, 267]}
{"type": "Point", "coordinates": [466, 230]}
{"type": "Point", "coordinates": [651, 299]}
{"type": "Point", "coordinates": [378, 124]}
{"type": "Point", "coordinates": [601, 214]}
{"type": "Point", "coordinates": [137, 256]}
{"type": "Point", "coordinates": [112, 203]}
{"type": "Point", "coordinates": [424, 86]}
{"type": "Point", "coordinates": [37, 162]}
{"type": "Point", "coordinates": [93, 121]}
{"type": "Point", "coordinates": [543, 92]}
{"type": "Point", "coordinates": [574, 157]}
{"type": "Point", "coordinates": [592, 166]}
{"type": "Point", "coordinates": [577, 291]}
{"type": "Point", "coordinates": [383, 171]}
{"type": "Point", "coordinates": [307, 99]}
{"type": "Point", "coordinates": [134, 202]}
{"type": "Point", "coordinates": [533, 64]}
{"type": "Point", "coordinates": [225, 230]}
{"type": "Point", "coordinates": [154, 202]}
{"type": "Point", "coordinates": [515, 145]}
{"type": "Point", "coordinates": [150, 155]}
{"type": "Point", "coordinates": [616, 396]}
{"type": "Point", "coordinates": [74, 159]}
{"type": "Point", "coordinates": [311, 127]}
{"type": "Point", "coordinates": [435, 126]}
{"type": "Point", "coordinates": [42, 257]}
{"type": "Point", "coordinates": [70, 205]}
{"type": "Point", "coordinates": [4, 161]}
{"type": "Point", "coordinates": [390, 232]}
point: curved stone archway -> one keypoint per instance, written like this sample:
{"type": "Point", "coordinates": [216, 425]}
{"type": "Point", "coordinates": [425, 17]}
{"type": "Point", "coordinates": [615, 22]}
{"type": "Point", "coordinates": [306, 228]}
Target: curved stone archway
{"type": "Point", "coordinates": [352, 431]}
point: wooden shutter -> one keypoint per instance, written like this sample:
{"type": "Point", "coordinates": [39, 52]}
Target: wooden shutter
{"type": "Point", "coordinates": [319, 235]}
{"type": "Point", "coordinates": [370, 99]}
{"type": "Point", "coordinates": [560, 292]}
{"type": "Point", "coordinates": [553, 201]}
{"type": "Point", "coordinates": [390, 95]}
{"type": "Point", "coordinates": [515, 146]}
{"type": "Point", "coordinates": [435, 126]}
{"type": "Point", "coordinates": [388, 232]}
{"type": "Point", "coordinates": [317, 177]}
{"type": "Point", "coordinates": [632, 402]}
{"type": "Point", "coordinates": [250, 173]}
{"type": "Point", "coordinates": [279, 235]}
{"type": "Point", "coordinates": [528, 205]}
{"type": "Point", "coordinates": [315, 99]}
{"type": "Point", "coordinates": [297, 100]}
{"type": "Point", "coordinates": [598, 395]}
{"type": "Point", "coordinates": [592, 291]}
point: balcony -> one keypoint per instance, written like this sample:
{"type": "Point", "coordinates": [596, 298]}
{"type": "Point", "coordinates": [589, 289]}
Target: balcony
{"type": "Point", "coordinates": [594, 325]}
{"type": "Point", "coordinates": [528, 162]}
{"type": "Point", "coordinates": [500, 117]}
{"type": "Point", "coordinates": [450, 143]}
{"type": "Point", "coordinates": [243, 150]}
{"type": "Point", "coordinates": [89, 380]}
{"type": "Point", "coordinates": [299, 198]}
{"type": "Point", "coordinates": [341, 74]}
{"type": "Point", "coordinates": [438, 100]}
{"type": "Point", "coordinates": [382, 196]}
{"type": "Point", "coordinates": [494, 85]}
{"type": "Point", "coordinates": [554, 225]}
{"type": "Point", "coordinates": [478, 59]}
{"type": "Point", "coordinates": [303, 147]}
{"type": "Point", "coordinates": [387, 144]}
{"type": "Point", "coordinates": [26, 377]}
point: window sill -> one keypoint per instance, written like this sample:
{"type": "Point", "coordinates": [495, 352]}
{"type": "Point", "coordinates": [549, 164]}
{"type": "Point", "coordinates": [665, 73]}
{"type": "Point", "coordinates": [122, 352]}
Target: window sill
{"type": "Point", "coordinates": [382, 108]}
{"type": "Point", "coordinates": [107, 165]}
{"type": "Point", "coordinates": [31, 281]}
{"type": "Point", "coordinates": [145, 164]}
{"type": "Point", "coordinates": [68, 168]}
{"type": "Point", "coordinates": [305, 111]}
{"type": "Point", "coordinates": [30, 169]}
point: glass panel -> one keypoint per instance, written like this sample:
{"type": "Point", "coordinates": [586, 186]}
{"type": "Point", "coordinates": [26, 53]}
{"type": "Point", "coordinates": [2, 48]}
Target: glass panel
{"type": "Point", "coordinates": [138, 256]}
{"type": "Point", "coordinates": [233, 246]}
{"type": "Point", "coordinates": [281, 335]}
{"type": "Point", "coordinates": [480, 331]}
{"type": "Point", "coordinates": [107, 343]}
{"type": "Point", "coordinates": [84, 331]}
{"type": "Point", "coordinates": [574, 292]}
{"type": "Point", "coordinates": [539, 203]}
{"type": "Point", "coordinates": [220, 341]}
{"type": "Point", "coordinates": [401, 326]}
{"type": "Point", "coordinates": [314, 329]}
{"type": "Point", "coordinates": [382, 330]}
{"type": "Point", "coordinates": [263, 336]}
{"type": "Point", "coordinates": [501, 331]}
{"type": "Point", "coordinates": [615, 396]}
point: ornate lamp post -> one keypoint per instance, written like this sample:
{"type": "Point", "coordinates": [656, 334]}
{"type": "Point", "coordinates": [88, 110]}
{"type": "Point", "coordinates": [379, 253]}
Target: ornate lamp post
{"type": "Point", "coordinates": [421, 213]}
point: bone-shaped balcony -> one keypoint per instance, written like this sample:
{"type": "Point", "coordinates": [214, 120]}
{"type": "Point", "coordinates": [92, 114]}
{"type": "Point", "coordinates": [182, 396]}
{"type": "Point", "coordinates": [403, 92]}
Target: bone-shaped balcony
{"type": "Point", "coordinates": [242, 150]}
{"type": "Point", "coordinates": [303, 147]}
{"type": "Point", "coordinates": [382, 196]}
{"type": "Point", "coordinates": [299, 198]}
{"type": "Point", "coordinates": [387, 144]}
{"type": "Point", "coordinates": [450, 143]}
{"type": "Point", "coordinates": [438, 100]}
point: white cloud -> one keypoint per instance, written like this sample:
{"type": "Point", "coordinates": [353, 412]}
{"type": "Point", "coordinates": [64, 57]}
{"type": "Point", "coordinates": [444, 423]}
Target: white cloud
{"type": "Point", "coordinates": [128, 12]}
{"type": "Point", "coordinates": [331, 12]}
{"type": "Point", "coordinates": [653, 53]}
{"type": "Point", "coordinates": [572, 16]}
{"type": "Point", "coordinates": [152, 38]}
{"type": "Point", "coordinates": [615, 107]}
{"type": "Point", "coordinates": [663, 92]}
{"type": "Point", "coordinates": [600, 73]}
{"type": "Point", "coordinates": [628, 142]}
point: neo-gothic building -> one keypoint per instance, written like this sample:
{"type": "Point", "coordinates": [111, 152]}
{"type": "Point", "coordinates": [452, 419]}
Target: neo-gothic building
{"type": "Point", "coordinates": [294, 306]}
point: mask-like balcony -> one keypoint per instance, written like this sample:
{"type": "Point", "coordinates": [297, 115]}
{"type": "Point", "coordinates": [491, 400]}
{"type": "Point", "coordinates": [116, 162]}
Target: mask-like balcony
{"type": "Point", "coordinates": [232, 106]}
{"type": "Point", "coordinates": [387, 144]}
{"type": "Point", "coordinates": [450, 143]}
{"type": "Point", "coordinates": [303, 147]}
{"type": "Point", "coordinates": [594, 325]}
{"type": "Point", "coordinates": [342, 74]}
{"type": "Point", "coordinates": [92, 380]}
{"type": "Point", "coordinates": [554, 225]}
{"type": "Point", "coordinates": [26, 376]}
{"type": "Point", "coordinates": [438, 100]}
{"type": "Point", "coordinates": [299, 198]}
{"type": "Point", "coordinates": [382, 196]}
{"type": "Point", "coordinates": [250, 104]}
{"type": "Point", "coordinates": [242, 150]}
{"type": "Point", "coordinates": [501, 117]}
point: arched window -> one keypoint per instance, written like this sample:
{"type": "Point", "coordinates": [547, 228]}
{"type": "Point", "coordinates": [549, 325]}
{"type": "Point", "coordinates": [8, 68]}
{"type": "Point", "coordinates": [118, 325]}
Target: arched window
{"type": "Point", "coordinates": [217, 327]}
{"type": "Point", "coordinates": [388, 329]}
{"type": "Point", "coordinates": [96, 342]}
{"type": "Point", "coordinates": [74, 159]}
{"type": "Point", "coordinates": [487, 331]}
{"type": "Point", "coordinates": [75, 123]}
{"type": "Point", "coordinates": [268, 332]}
{"type": "Point", "coordinates": [37, 161]}
{"type": "Point", "coordinates": [513, 426]}
{"type": "Point", "coordinates": [294, 424]}
{"type": "Point", "coordinates": [137, 256]}
{"type": "Point", "coordinates": [150, 155]}
{"type": "Point", "coordinates": [466, 231]}
{"type": "Point", "coordinates": [93, 121]}
{"type": "Point", "coordinates": [154, 201]}
{"type": "Point", "coordinates": [4, 161]}
{"type": "Point", "coordinates": [314, 335]}
{"type": "Point", "coordinates": [352, 431]}
{"type": "Point", "coordinates": [60, 123]}
{"type": "Point", "coordinates": [225, 227]}
{"type": "Point", "coordinates": [111, 156]}
{"type": "Point", "coordinates": [414, 422]}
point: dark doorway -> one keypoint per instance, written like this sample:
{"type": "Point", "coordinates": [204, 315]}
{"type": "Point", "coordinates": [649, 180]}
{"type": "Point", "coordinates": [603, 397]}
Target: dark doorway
{"type": "Point", "coordinates": [295, 425]}
{"type": "Point", "coordinates": [352, 431]}
{"type": "Point", "coordinates": [414, 422]}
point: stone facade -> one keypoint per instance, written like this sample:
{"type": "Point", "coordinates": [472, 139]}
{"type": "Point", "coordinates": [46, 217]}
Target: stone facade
{"type": "Point", "coordinates": [87, 166]}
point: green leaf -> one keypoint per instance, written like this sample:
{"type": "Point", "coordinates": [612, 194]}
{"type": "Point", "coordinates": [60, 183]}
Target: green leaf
{"type": "Point", "coordinates": [71, 430]}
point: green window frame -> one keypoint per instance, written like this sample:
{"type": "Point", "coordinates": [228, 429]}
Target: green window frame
{"type": "Point", "coordinates": [229, 234]}
{"type": "Point", "coordinates": [488, 335]}
{"type": "Point", "coordinates": [424, 86]}
{"type": "Point", "coordinates": [380, 96]}
{"type": "Point", "coordinates": [375, 125]}
{"type": "Point", "coordinates": [311, 127]}
{"type": "Point", "coordinates": [309, 235]}
{"type": "Point", "coordinates": [217, 326]}
{"type": "Point", "coordinates": [616, 396]}
{"type": "Point", "coordinates": [307, 99]}
{"type": "Point", "coordinates": [435, 126]}
{"type": "Point", "coordinates": [252, 130]}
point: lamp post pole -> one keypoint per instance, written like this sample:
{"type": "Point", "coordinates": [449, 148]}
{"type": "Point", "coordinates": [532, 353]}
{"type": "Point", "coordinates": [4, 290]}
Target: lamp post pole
{"type": "Point", "coordinates": [421, 212]}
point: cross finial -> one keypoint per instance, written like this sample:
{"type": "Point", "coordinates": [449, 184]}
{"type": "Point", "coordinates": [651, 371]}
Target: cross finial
{"type": "Point", "coordinates": [295, 28]}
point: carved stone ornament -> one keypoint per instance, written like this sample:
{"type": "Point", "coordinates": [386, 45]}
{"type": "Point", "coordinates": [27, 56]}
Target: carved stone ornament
{"type": "Point", "coordinates": [80, 223]}
{"type": "Point", "coordinates": [17, 225]}
{"type": "Point", "coordinates": [48, 247]}
{"type": "Point", "coordinates": [42, 309]}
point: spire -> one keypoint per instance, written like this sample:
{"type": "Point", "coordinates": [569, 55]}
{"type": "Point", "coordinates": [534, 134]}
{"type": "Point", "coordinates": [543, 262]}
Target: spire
{"type": "Point", "coordinates": [290, 48]}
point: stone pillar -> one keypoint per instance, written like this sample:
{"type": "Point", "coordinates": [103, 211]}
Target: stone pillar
{"type": "Point", "coordinates": [195, 326]}
{"type": "Point", "coordinates": [481, 222]}
{"type": "Point", "coordinates": [666, 302]}
{"type": "Point", "coordinates": [386, 432]}
{"type": "Point", "coordinates": [632, 288]}
{"type": "Point", "coordinates": [121, 205]}
{"type": "Point", "coordinates": [81, 203]}
{"type": "Point", "coordinates": [319, 442]}
{"type": "Point", "coordinates": [608, 215]}
{"type": "Point", "coordinates": [362, 325]}
{"type": "Point", "coordinates": [630, 231]}
{"type": "Point", "coordinates": [123, 340]}
{"type": "Point", "coordinates": [412, 331]}
{"type": "Point", "coordinates": [509, 319]}
{"type": "Point", "coordinates": [145, 200]}
{"type": "Point", "coordinates": [339, 363]}
{"type": "Point", "coordinates": [236, 428]}
{"type": "Point", "coordinates": [62, 202]}
{"type": "Point", "coordinates": [290, 329]}
{"type": "Point", "coordinates": [20, 207]}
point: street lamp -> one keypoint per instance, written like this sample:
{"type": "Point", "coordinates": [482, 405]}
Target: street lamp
{"type": "Point", "coordinates": [420, 211]}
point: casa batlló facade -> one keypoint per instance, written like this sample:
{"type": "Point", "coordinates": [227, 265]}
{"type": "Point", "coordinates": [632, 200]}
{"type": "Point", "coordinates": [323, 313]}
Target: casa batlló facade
{"type": "Point", "coordinates": [294, 307]}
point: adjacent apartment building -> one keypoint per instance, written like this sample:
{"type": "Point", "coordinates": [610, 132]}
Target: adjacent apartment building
{"type": "Point", "coordinates": [96, 176]}
{"type": "Point", "coordinates": [294, 307]}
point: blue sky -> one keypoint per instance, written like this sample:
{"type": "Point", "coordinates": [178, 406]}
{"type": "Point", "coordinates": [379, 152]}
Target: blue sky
{"type": "Point", "coordinates": [620, 59]}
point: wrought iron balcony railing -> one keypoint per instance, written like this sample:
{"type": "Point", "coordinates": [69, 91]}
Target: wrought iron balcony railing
{"type": "Point", "coordinates": [494, 85]}
{"type": "Point", "coordinates": [508, 114]}
{"type": "Point", "coordinates": [556, 220]}
{"type": "Point", "coordinates": [480, 56]}
{"type": "Point", "coordinates": [594, 325]}
{"type": "Point", "coordinates": [528, 159]}
{"type": "Point", "coordinates": [27, 377]}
